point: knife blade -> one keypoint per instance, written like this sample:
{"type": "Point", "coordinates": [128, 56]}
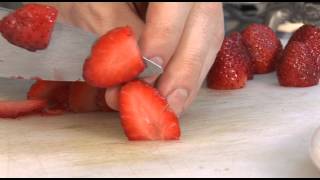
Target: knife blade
{"type": "Point", "coordinates": [62, 60]}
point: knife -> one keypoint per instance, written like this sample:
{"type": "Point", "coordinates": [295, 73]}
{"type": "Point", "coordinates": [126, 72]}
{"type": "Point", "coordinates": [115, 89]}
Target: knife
{"type": "Point", "coordinates": [62, 60]}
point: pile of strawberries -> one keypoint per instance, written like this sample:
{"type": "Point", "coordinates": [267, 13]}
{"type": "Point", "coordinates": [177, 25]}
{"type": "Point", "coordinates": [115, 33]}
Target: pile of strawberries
{"type": "Point", "coordinates": [145, 114]}
{"type": "Point", "coordinates": [257, 50]}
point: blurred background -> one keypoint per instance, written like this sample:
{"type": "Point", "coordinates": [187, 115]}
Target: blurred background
{"type": "Point", "coordinates": [282, 17]}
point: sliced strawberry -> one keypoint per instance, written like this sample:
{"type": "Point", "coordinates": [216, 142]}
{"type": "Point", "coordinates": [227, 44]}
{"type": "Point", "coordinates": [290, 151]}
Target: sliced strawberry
{"type": "Point", "coordinates": [101, 101]}
{"type": "Point", "coordinates": [82, 97]}
{"type": "Point", "coordinates": [297, 67]}
{"type": "Point", "coordinates": [114, 59]}
{"type": "Point", "coordinates": [56, 92]}
{"type": "Point", "coordinates": [231, 68]}
{"type": "Point", "coordinates": [30, 26]}
{"type": "Point", "coordinates": [145, 114]}
{"type": "Point", "coordinates": [53, 111]}
{"type": "Point", "coordinates": [14, 109]}
{"type": "Point", "coordinates": [264, 47]}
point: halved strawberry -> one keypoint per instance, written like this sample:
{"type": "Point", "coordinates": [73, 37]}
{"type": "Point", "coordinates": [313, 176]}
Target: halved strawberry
{"type": "Point", "coordinates": [55, 92]}
{"type": "Point", "coordinates": [145, 114]}
{"type": "Point", "coordinates": [264, 47]}
{"type": "Point", "coordinates": [231, 67]}
{"type": "Point", "coordinates": [297, 67]}
{"type": "Point", "coordinates": [82, 97]}
{"type": "Point", "coordinates": [30, 26]}
{"type": "Point", "coordinates": [14, 109]}
{"type": "Point", "coordinates": [114, 59]}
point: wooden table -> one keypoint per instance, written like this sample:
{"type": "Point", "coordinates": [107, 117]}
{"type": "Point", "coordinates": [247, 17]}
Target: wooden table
{"type": "Point", "coordinates": [263, 130]}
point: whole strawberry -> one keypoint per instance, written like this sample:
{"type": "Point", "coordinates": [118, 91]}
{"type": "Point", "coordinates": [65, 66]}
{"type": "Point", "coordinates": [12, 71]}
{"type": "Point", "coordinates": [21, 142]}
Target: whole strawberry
{"type": "Point", "coordinates": [310, 35]}
{"type": "Point", "coordinates": [231, 68]}
{"type": "Point", "coordinates": [297, 68]}
{"type": "Point", "coordinates": [30, 26]}
{"type": "Point", "coordinates": [264, 47]}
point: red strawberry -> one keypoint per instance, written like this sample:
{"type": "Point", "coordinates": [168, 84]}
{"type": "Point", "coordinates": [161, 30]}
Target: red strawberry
{"type": "Point", "coordinates": [82, 97]}
{"type": "Point", "coordinates": [145, 114]}
{"type": "Point", "coordinates": [55, 92]}
{"type": "Point", "coordinates": [30, 26]}
{"type": "Point", "coordinates": [115, 59]}
{"type": "Point", "coordinates": [297, 67]}
{"type": "Point", "coordinates": [14, 109]}
{"type": "Point", "coordinates": [305, 33]}
{"type": "Point", "coordinates": [263, 46]}
{"type": "Point", "coordinates": [231, 68]}
{"type": "Point", "coordinates": [310, 35]}
{"type": "Point", "coordinates": [101, 101]}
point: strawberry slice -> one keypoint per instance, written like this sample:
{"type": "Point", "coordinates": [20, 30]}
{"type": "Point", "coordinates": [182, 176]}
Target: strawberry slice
{"type": "Point", "coordinates": [297, 67]}
{"type": "Point", "coordinates": [82, 97]}
{"type": "Point", "coordinates": [55, 92]}
{"type": "Point", "coordinates": [114, 59]}
{"type": "Point", "coordinates": [264, 47]}
{"type": "Point", "coordinates": [14, 109]}
{"type": "Point", "coordinates": [231, 68]}
{"type": "Point", "coordinates": [30, 26]}
{"type": "Point", "coordinates": [145, 114]}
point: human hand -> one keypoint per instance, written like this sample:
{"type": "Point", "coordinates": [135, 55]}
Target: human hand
{"type": "Point", "coordinates": [183, 38]}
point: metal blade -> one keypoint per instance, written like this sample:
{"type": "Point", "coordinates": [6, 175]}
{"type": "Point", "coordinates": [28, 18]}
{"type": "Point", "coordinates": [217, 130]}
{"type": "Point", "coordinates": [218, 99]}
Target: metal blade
{"type": "Point", "coordinates": [61, 61]}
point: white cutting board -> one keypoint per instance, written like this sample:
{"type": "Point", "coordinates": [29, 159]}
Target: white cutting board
{"type": "Point", "coordinates": [263, 130]}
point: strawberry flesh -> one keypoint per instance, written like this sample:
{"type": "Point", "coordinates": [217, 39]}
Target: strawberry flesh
{"type": "Point", "coordinates": [14, 109]}
{"type": "Point", "coordinates": [145, 114]}
{"type": "Point", "coordinates": [82, 97]}
{"type": "Point", "coordinates": [55, 92]}
{"type": "Point", "coordinates": [30, 26]}
{"type": "Point", "coordinates": [115, 59]}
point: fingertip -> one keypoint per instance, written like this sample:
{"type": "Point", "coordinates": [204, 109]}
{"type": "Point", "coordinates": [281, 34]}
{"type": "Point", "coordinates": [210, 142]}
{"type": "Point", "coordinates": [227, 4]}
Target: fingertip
{"type": "Point", "coordinates": [159, 61]}
{"type": "Point", "coordinates": [177, 100]}
{"type": "Point", "coordinates": [112, 97]}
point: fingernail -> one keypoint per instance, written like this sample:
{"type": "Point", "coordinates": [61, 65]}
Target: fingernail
{"type": "Point", "coordinates": [157, 60]}
{"type": "Point", "coordinates": [177, 99]}
{"type": "Point", "coordinates": [111, 97]}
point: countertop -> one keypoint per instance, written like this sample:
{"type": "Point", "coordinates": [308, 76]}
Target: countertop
{"type": "Point", "coordinates": [263, 130]}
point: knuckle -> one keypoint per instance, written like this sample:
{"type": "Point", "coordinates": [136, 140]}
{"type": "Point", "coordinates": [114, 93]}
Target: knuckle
{"type": "Point", "coordinates": [193, 62]}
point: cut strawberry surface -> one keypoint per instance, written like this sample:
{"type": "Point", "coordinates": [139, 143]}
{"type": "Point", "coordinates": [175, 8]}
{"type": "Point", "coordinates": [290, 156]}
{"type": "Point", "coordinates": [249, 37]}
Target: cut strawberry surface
{"type": "Point", "coordinates": [231, 68]}
{"type": "Point", "coordinates": [82, 97]}
{"type": "Point", "coordinates": [145, 114]}
{"type": "Point", "coordinates": [14, 109]}
{"type": "Point", "coordinates": [264, 47]}
{"type": "Point", "coordinates": [114, 59]}
{"type": "Point", "coordinates": [55, 92]}
{"type": "Point", "coordinates": [297, 67]}
{"type": "Point", "coordinates": [30, 26]}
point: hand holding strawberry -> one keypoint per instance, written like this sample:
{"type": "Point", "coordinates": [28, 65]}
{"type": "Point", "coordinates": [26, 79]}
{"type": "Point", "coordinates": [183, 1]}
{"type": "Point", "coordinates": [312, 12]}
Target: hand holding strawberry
{"type": "Point", "coordinates": [182, 37]}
